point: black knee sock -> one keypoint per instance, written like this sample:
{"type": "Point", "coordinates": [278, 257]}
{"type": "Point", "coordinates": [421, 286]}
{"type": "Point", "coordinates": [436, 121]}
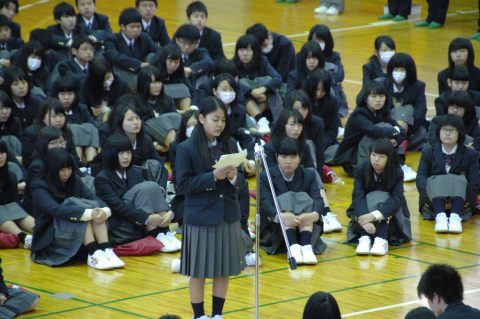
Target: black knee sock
{"type": "Point", "coordinates": [292, 236]}
{"type": "Point", "coordinates": [259, 116]}
{"type": "Point", "coordinates": [154, 232]}
{"type": "Point", "coordinates": [21, 236]}
{"type": "Point", "coordinates": [305, 238]}
{"type": "Point", "coordinates": [217, 305]}
{"type": "Point", "coordinates": [91, 248]}
{"type": "Point", "coordinates": [198, 309]}
{"type": "Point", "coordinates": [104, 246]}
{"type": "Point", "coordinates": [327, 210]}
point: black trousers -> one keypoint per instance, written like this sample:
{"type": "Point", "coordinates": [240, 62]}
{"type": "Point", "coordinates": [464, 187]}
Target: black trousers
{"type": "Point", "coordinates": [400, 7]}
{"type": "Point", "coordinates": [437, 11]}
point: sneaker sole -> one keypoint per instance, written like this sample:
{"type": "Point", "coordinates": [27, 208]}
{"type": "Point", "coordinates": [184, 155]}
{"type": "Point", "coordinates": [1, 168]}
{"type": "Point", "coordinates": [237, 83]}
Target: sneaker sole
{"type": "Point", "coordinates": [441, 231]}
{"type": "Point", "coordinates": [362, 253]}
{"type": "Point", "coordinates": [378, 254]}
{"type": "Point", "coordinates": [455, 231]}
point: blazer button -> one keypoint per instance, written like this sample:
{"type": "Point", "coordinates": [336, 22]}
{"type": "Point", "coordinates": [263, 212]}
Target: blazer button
{"type": "Point", "coordinates": [221, 195]}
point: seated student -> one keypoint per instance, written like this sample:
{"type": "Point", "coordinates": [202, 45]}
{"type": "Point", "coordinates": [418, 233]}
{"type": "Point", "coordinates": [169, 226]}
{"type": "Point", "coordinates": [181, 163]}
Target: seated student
{"type": "Point", "coordinates": [309, 59]}
{"type": "Point", "coordinates": [448, 178]}
{"type": "Point", "coordinates": [321, 33]}
{"type": "Point", "coordinates": [151, 24]}
{"type": "Point", "coordinates": [407, 99]}
{"type": "Point", "coordinates": [18, 88]}
{"type": "Point", "coordinates": [300, 203]}
{"type": "Point", "coordinates": [277, 48]}
{"type": "Point", "coordinates": [127, 50]}
{"type": "Point", "coordinates": [100, 90]}
{"type": "Point", "coordinates": [376, 68]}
{"type": "Point", "coordinates": [398, 10]}
{"type": "Point", "coordinates": [9, 8]}
{"type": "Point", "coordinates": [459, 103]}
{"type": "Point", "coordinates": [291, 123]}
{"type": "Point", "coordinates": [70, 219]}
{"type": "Point", "coordinates": [13, 218]}
{"type": "Point", "coordinates": [379, 209]}
{"type": "Point", "coordinates": [420, 313]}
{"type": "Point", "coordinates": [442, 286]}
{"type": "Point", "coordinates": [156, 109]}
{"type": "Point", "coordinates": [84, 133]}
{"type": "Point", "coordinates": [210, 39]}
{"type": "Point", "coordinates": [10, 127]}
{"type": "Point", "coordinates": [326, 106]}
{"type": "Point", "coordinates": [77, 66]}
{"type": "Point", "coordinates": [177, 86]}
{"type": "Point", "coordinates": [64, 31]}
{"type": "Point", "coordinates": [458, 80]}
{"type": "Point", "coordinates": [262, 101]}
{"type": "Point", "coordinates": [8, 44]}
{"type": "Point", "coordinates": [138, 207]}
{"type": "Point", "coordinates": [196, 61]}
{"type": "Point", "coordinates": [95, 24]}
{"type": "Point", "coordinates": [369, 121]}
{"type": "Point", "coordinates": [321, 305]}
{"type": "Point", "coordinates": [460, 53]}
{"type": "Point", "coordinates": [15, 301]}
{"type": "Point", "coordinates": [31, 59]}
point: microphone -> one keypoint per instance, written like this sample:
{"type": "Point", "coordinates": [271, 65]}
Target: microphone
{"type": "Point", "coordinates": [244, 131]}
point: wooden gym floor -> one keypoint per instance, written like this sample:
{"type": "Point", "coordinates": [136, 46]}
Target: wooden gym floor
{"type": "Point", "coordinates": [365, 287]}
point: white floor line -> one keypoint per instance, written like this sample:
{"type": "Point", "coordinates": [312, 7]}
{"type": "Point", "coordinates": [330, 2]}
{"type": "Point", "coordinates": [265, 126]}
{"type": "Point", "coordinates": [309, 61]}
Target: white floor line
{"type": "Point", "coordinates": [352, 314]}
{"type": "Point", "coordinates": [32, 4]}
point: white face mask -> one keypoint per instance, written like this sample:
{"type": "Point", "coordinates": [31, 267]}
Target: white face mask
{"type": "Point", "coordinates": [34, 64]}
{"type": "Point", "coordinates": [189, 131]}
{"type": "Point", "coordinates": [226, 97]}
{"type": "Point", "coordinates": [399, 76]}
{"type": "Point", "coordinates": [386, 56]}
{"type": "Point", "coordinates": [108, 83]}
{"type": "Point", "coordinates": [268, 48]}
{"type": "Point", "coordinates": [322, 45]}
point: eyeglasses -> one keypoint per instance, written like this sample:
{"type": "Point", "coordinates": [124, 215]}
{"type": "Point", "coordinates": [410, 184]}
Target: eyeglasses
{"type": "Point", "coordinates": [448, 130]}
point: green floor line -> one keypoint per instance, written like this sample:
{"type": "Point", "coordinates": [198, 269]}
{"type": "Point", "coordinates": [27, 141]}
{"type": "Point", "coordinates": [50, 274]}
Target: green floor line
{"type": "Point", "coordinates": [412, 259]}
{"type": "Point", "coordinates": [59, 312]}
{"type": "Point", "coordinates": [452, 249]}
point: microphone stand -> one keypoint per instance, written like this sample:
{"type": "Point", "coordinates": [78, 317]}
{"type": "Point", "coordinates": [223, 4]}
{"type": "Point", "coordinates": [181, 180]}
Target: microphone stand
{"type": "Point", "coordinates": [260, 159]}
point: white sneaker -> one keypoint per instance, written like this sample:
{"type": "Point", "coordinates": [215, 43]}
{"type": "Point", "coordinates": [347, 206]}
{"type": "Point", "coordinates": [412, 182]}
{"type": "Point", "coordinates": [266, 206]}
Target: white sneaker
{"type": "Point", "coordinates": [333, 11]}
{"type": "Point", "coordinates": [363, 247]}
{"type": "Point", "coordinates": [175, 265]}
{"type": "Point", "coordinates": [380, 247]}
{"type": "Point", "coordinates": [296, 251]}
{"type": "Point", "coordinates": [330, 223]}
{"type": "Point", "coordinates": [175, 242]}
{"type": "Point", "coordinates": [263, 126]}
{"type": "Point", "coordinates": [309, 257]}
{"type": "Point", "coordinates": [441, 223]}
{"type": "Point", "coordinates": [99, 261]}
{"type": "Point", "coordinates": [168, 246]}
{"type": "Point", "coordinates": [217, 317]}
{"type": "Point", "coordinates": [251, 258]}
{"type": "Point", "coordinates": [117, 262]}
{"type": "Point", "coordinates": [320, 9]}
{"type": "Point", "coordinates": [204, 317]}
{"type": "Point", "coordinates": [27, 244]}
{"type": "Point", "coordinates": [409, 175]}
{"type": "Point", "coordinates": [341, 132]}
{"type": "Point", "coordinates": [455, 223]}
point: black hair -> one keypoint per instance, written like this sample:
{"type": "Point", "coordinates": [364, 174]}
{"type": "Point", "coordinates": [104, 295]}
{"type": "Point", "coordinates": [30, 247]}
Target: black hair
{"type": "Point", "coordinates": [455, 121]}
{"type": "Point", "coordinates": [225, 77]}
{"type": "Point", "coordinates": [209, 105]}
{"type": "Point", "coordinates": [31, 47]}
{"type": "Point", "coordinates": [225, 65]}
{"type": "Point", "coordinates": [170, 51]}
{"type": "Point", "coordinates": [288, 146]}
{"type": "Point", "coordinates": [53, 104]}
{"type": "Point", "coordinates": [6, 185]}
{"type": "Point", "coordinates": [326, 107]}
{"type": "Point", "coordinates": [188, 32]}
{"type": "Point", "coordinates": [464, 100]}
{"type": "Point", "coordinates": [279, 132]}
{"type": "Point", "coordinates": [15, 74]}
{"type": "Point", "coordinates": [129, 15]}
{"type": "Point", "coordinates": [58, 158]}
{"type": "Point", "coordinates": [94, 90]}
{"type": "Point", "coordinates": [66, 84]}
{"type": "Point", "coordinates": [378, 43]}
{"type": "Point", "coordinates": [385, 147]}
{"type": "Point", "coordinates": [4, 3]}
{"type": "Point", "coordinates": [378, 88]}
{"type": "Point", "coordinates": [115, 144]}
{"type": "Point", "coordinates": [321, 305]}
{"type": "Point", "coordinates": [63, 9]}
{"type": "Point", "coordinates": [244, 42]}
{"type": "Point", "coordinates": [458, 73]}
{"type": "Point", "coordinates": [11, 125]}
{"type": "Point", "coordinates": [81, 39]}
{"type": "Point", "coordinates": [181, 134]}
{"type": "Point", "coordinates": [442, 280]}
{"type": "Point", "coordinates": [196, 6]}
{"type": "Point", "coordinates": [309, 49]}
{"type": "Point", "coordinates": [76, 2]}
{"type": "Point", "coordinates": [137, 2]}
{"type": "Point", "coordinates": [420, 313]}
{"type": "Point", "coordinates": [5, 22]}
{"type": "Point", "coordinates": [321, 31]}
{"type": "Point", "coordinates": [461, 43]}
{"type": "Point", "coordinates": [302, 97]}
{"type": "Point", "coordinates": [144, 80]}
{"type": "Point", "coordinates": [119, 115]}
{"type": "Point", "coordinates": [43, 36]}
{"type": "Point", "coordinates": [259, 31]}
{"type": "Point", "coordinates": [45, 136]}
{"type": "Point", "coordinates": [403, 60]}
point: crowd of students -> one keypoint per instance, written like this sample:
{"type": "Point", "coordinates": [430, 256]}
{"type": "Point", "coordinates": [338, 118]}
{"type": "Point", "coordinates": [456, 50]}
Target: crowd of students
{"type": "Point", "coordinates": [89, 117]}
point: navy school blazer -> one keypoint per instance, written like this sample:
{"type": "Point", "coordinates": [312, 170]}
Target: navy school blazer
{"type": "Point", "coordinates": [212, 41]}
{"type": "Point", "coordinates": [158, 31]}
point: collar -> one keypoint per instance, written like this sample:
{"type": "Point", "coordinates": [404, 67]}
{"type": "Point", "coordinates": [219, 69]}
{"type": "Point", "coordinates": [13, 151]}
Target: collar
{"type": "Point", "coordinates": [146, 24]}
{"type": "Point", "coordinates": [88, 21]}
{"type": "Point", "coordinates": [127, 40]}
{"type": "Point", "coordinates": [285, 178]}
{"type": "Point", "coordinates": [451, 152]}
{"type": "Point", "coordinates": [83, 67]}
{"type": "Point", "coordinates": [122, 176]}
{"type": "Point", "coordinates": [212, 143]}
{"type": "Point", "coordinates": [396, 89]}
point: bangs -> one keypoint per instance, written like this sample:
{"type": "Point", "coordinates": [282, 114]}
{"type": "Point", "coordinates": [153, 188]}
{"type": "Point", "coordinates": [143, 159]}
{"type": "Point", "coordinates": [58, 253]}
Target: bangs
{"type": "Point", "coordinates": [289, 146]}
{"type": "Point", "coordinates": [382, 146]}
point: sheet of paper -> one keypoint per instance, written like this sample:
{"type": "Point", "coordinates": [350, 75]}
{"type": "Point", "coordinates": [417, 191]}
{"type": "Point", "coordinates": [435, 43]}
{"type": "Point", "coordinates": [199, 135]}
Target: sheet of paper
{"type": "Point", "coordinates": [234, 159]}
